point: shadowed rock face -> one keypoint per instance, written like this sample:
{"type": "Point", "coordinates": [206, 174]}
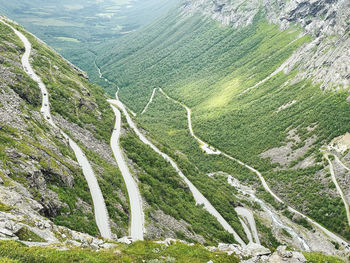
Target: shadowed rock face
{"type": "Point", "coordinates": [319, 17]}
{"type": "Point", "coordinates": [325, 60]}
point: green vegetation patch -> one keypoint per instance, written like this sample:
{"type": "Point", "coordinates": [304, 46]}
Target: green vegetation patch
{"type": "Point", "coordinates": [321, 258]}
{"type": "Point", "coordinates": [5, 208]}
{"type": "Point", "coordinates": [163, 189]}
{"type": "Point", "coordinates": [8, 260]}
{"type": "Point", "coordinates": [68, 39]}
{"type": "Point", "coordinates": [136, 252]}
{"type": "Point", "coordinates": [25, 234]}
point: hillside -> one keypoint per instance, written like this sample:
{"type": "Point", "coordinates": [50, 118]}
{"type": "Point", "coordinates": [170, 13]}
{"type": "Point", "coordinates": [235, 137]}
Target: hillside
{"type": "Point", "coordinates": [216, 142]}
{"type": "Point", "coordinates": [47, 194]}
{"type": "Point", "coordinates": [37, 166]}
{"type": "Point", "coordinates": [73, 28]}
{"type": "Point", "coordinates": [38, 158]}
{"type": "Point", "coordinates": [266, 84]}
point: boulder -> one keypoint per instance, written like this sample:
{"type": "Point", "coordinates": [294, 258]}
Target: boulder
{"type": "Point", "coordinates": [9, 225]}
{"type": "Point", "coordinates": [281, 255]}
{"type": "Point", "coordinates": [73, 243]}
{"type": "Point", "coordinates": [125, 240]}
{"type": "Point", "coordinates": [108, 245]}
{"type": "Point", "coordinates": [230, 248]}
{"type": "Point", "coordinates": [254, 250]}
{"type": "Point", "coordinates": [6, 232]}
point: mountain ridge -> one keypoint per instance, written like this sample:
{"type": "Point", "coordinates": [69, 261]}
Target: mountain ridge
{"type": "Point", "coordinates": [321, 19]}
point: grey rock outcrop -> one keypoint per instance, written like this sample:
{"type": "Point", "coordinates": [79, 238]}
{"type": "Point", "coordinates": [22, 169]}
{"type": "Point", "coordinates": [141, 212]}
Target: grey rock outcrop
{"type": "Point", "coordinates": [282, 255]}
{"type": "Point", "coordinates": [325, 60]}
{"type": "Point", "coordinates": [255, 250]}
{"type": "Point", "coordinates": [252, 250]}
{"type": "Point", "coordinates": [163, 225]}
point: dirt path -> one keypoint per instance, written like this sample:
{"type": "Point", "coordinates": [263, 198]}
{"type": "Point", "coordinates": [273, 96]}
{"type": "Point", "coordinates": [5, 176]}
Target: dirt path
{"type": "Point", "coordinates": [149, 102]}
{"type": "Point", "coordinates": [205, 147]}
{"type": "Point", "coordinates": [278, 70]}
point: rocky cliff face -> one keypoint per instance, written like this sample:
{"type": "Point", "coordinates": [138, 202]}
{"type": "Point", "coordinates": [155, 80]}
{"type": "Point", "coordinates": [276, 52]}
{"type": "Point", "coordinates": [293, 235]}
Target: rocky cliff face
{"type": "Point", "coordinates": [317, 17]}
{"type": "Point", "coordinates": [325, 60]}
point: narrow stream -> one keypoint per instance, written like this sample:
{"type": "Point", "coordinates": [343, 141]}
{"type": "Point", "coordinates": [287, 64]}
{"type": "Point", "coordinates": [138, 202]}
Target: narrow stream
{"type": "Point", "coordinates": [275, 218]}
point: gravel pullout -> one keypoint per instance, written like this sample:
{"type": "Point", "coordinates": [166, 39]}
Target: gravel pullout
{"type": "Point", "coordinates": [101, 214]}
{"type": "Point", "coordinates": [199, 198]}
{"type": "Point", "coordinates": [137, 216]}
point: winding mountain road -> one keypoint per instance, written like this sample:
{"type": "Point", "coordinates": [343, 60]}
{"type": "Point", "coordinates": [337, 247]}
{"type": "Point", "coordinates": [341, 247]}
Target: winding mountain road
{"type": "Point", "coordinates": [248, 217]}
{"type": "Point", "coordinates": [198, 196]}
{"type": "Point", "coordinates": [101, 214]}
{"type": "Point", "coordinates": [137, 215]}
{"type": "Point", "coordinates": [262, 180]}
{"type": "Point", "coordinates": [206, 147]}
{"type": "Point", "coordinates": [100, 210]}
{"type": "Point", "coordinates": [246, 229]}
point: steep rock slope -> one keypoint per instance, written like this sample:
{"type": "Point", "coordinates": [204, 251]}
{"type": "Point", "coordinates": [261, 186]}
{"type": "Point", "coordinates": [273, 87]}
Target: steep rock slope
{"type": "Point", "coordinates": [37, 158]}
{"type": "Point", "coordinates": [325, 59]}
{"type": "Point", "coordinates": [267, 83]}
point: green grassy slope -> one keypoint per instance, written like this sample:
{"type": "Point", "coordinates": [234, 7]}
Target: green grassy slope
{"type": "Point", "coordinates": [137, 252]}
{"type": "Point", "coordinates": [14, 252]}
{"type": "Point", "coordinates": [207, 66]}
{"type": "Point", "coordinates": [194, 54]}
